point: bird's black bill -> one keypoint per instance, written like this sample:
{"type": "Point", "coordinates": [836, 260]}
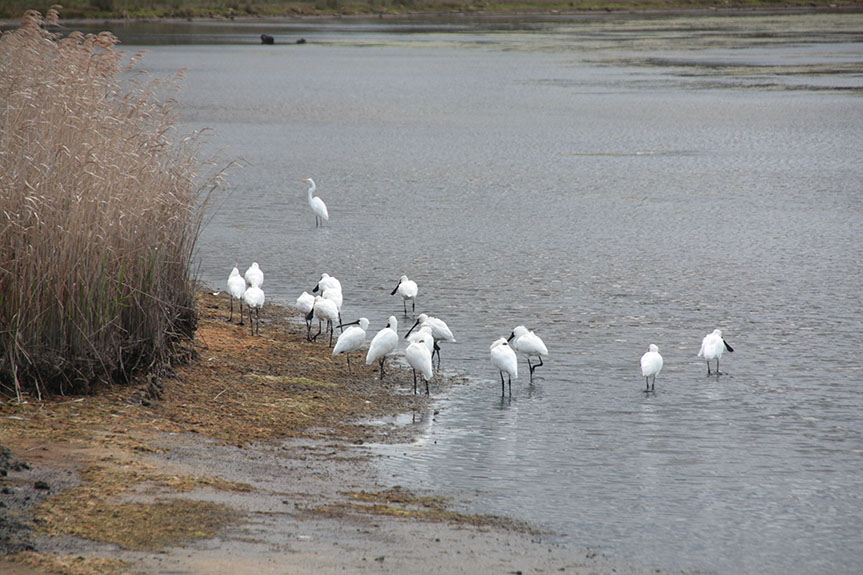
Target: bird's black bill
{"type": "Point", "coordinates": [395, 289]}
{"type": "Point", "coordinates": [310, 315]}
{"type": "Point", "coordinates": [512, 335]}
{"type": "Point", "coordinates": [728, 347]}
{"type": "Point", "coordinates": [315, 289]}
{"type": "Point", "coordinates": [341, 325]}
{"type": "Point", "coordinates": [411, 329]}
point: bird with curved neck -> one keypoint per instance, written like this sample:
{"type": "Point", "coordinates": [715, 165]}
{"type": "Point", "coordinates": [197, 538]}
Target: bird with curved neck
{"type": "Point", "coordinates": [317, 204]}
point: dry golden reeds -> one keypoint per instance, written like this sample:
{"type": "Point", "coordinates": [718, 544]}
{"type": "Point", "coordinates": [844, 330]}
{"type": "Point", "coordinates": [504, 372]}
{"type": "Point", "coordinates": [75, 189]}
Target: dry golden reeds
{"type": "Point", "coordinates": [99, 212]}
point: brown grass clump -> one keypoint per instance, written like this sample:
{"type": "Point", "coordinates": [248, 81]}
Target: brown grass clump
{"type": "Point", "coordinates": [100, 207]}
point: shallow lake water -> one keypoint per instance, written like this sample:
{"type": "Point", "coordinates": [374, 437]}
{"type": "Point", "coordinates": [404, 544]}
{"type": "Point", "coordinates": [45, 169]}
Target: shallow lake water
{"type": "Point", "coordinates": [608, 182]}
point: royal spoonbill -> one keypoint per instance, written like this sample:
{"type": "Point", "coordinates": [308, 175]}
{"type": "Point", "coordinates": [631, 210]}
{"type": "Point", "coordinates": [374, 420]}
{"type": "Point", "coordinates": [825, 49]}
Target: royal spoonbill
{"type": "Point", "coordinates": [407, 289]}
{"type": "Point", "coordinates": [317, 204]}
{"type": "Point", "coordinates": [327, 281]}
{"type": "Point", "coordinates": [254, 276]}
{"type": "Point", "coordinates": [254, 298]}
{"type": "Point", "coordinates": [712, 347]}
{"type": "Point", "coordinates": [324, 310]}
{"type": "Point", "coordinates": [651, 365]}
{"type": "Point", "coordinates": [528, 343]}
{"type": "Point", "coordinates": [385, 342]}
{"type": "Point", "coordinates": [440, 331]}
{"type": "Point", "coordinates": [351, 339]}
{"type": "Point", "coordinates": [236, 289]}
{"type": "Point", "coordinates": [504, 359]}
{"type": "Point", "coordinates": [418, 356]}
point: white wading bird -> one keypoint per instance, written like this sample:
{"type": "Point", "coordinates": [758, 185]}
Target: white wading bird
{"type": "Point", "coordinates": [254, 297]}
{"type": "Point", "coordinates": [317, 204]}
{"type": "Point", "coordinates": [324, 310]}
{"type": "Point", "coordinates": [651, 365]}
{"type": "Point", "coordinates": [528, 343]}
{"type": "Point", "coordinates": [351, 339]}
{"type": "Point", "coordinates": [254, 276]}
{"type": "Point", "coordinates": [712, 347]}
{"type": "Point", "coordinates": [306, 303]}
{"type": "Point", "coordinates": [504, 359]}
{"type": "Point", "coordinates": [385, 342]}
{"type": "Point", "coordinates": [327, 282]}
{"type": "Point", "coordinates": [440, 331]}
{"type": "Point", "coordinates": [419, 357]}
{"type": "Point", "coordinates": [407, 289]}
{"type": "Point", "coordinates": [236, 289]}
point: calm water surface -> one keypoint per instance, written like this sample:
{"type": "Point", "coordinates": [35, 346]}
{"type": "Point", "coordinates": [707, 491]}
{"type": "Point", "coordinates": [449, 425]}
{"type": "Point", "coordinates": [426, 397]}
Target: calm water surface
{"type": "Point", "coordinates": [609, 183]}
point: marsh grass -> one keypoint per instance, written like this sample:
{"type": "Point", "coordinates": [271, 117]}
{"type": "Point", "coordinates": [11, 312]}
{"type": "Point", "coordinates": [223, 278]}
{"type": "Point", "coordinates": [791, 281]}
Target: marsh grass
{"type": "Point", "coordinates": [100, 207]}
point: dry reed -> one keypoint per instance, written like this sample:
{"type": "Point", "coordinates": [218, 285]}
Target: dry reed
{"type": "Point", "coordinates": [100, 208]}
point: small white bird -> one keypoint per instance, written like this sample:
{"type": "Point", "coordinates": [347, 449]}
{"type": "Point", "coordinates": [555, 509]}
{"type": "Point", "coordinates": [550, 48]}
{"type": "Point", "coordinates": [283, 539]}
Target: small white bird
{"type": "Point", "coordinates": [254, 298]}
{"type": "Point", "coordinates": [317, 204]}
{"type": "Point", "coordinates": [407, 289]}
{"type": "Point", "coordinates": [327, 281]}
{"type": "Point", "coordinates": [651, 365]}
{"type": "Point", "coordinates": [440, 331]}
{"type": "Point", "coordinates": [324, 310]}
{"type": "Point", "coordinates": [528, 343]}
{"type": "Point", "coordinates": [418, 336]}
{"type": "Point", "coordinates": [236, 289]}
{"type": "Point", "coordinates": [306, 303]}
{"type": "Point", "coordinates": [712, 347]}
{"type": "Point", "coordinates": [385, 342]}
{"type": "Point", "coordinates": [254, 276]}
{"type": "Point", "coordinates": [351, 339]}
{"type": "Point", "coordinates": [419, 357]}
{"type": "Point", "coordinates": [503, 358]}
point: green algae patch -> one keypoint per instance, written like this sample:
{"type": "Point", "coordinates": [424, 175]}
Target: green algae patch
{"type": "Point", "coordinates": [397, 502]}
{"type": "Point", "coordinates": [136, 526]}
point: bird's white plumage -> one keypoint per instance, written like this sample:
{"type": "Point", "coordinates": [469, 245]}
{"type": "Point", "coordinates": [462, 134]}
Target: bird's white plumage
{"type": "Point", "coordinates": [385, 342]}
{"type": "Point", "coordinates": [328, 282]}
{"type": "Point", "coordinates": [418, 356]}
{"type": "Point", "coordinates": [254, 297]}
{"type": "Point", "coordinates": [317, 204]}
{"type": "Point", "coordinates": [407, 290]}
{"type": "Point", "coordinates": [651, 362]}
{"type": "Point", "coordinates": [528, 343]}
{"type": "Point", "coordinates": [335, 295]}
{"type": "Point", "coordinates": [418, 336]}
{"type": "Point", "coordinates": [306, 302]}
{"type": "Point", "coordinates": [712, 345]}
{"type": "Point", "coordinates": [254, 275]}
{"type": "Point", "coordinates": [503, 357]}
{"type": "Point", "coordinates": [325, 309]}
{"type": "Point", "coordinates": [236, 284]}
{"type": "Point", "coordinates": [440, 330]}
{"type": "Point", "coordinates": [352, 338]}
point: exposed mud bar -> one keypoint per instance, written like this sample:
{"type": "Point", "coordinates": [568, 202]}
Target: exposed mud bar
{"type": "Point", "coordinates": [251, 459]}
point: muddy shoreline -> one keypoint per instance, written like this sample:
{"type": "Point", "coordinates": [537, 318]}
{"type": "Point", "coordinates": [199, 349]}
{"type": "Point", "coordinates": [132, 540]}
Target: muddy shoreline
{"type": "Point", "coordinates": [251, 459]}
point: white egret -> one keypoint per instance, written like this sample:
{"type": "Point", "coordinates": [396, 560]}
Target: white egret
{"type": "Point", "coordinates": [440, 331]}
{"type": "Point", "coordinates": [419, 357]}
{"type": "Point", "coordinates": [385, 342]}
{"type": "Point", "coordinates": [504, 359]}
{"type": "Point", "coordinates": [351, 339]}
{"type": "Point", "coordinates": [407, 289]}
{"type": "Point", "coordinates": [317, 204]}
{"type": "Point", "coordinates": [712, 347]}
{"type": "Point", "coordinates": [324, 309]}
{"type": "Point", "coordinates": [528, 343]}
{"type": "Point", "coordinates": [254, 298]}
{"type": "Point", "coordinates": [236, 288]}
{"type": "Point", "coordinates": [254, 276]}
{"type": "Point", "coordinates": [306, 303]}
{"type": "Point", "coordinates": [651, 365]}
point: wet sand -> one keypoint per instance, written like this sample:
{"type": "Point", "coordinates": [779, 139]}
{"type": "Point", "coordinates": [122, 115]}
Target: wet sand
{"type": "Point", "coordinates": [252, 459]}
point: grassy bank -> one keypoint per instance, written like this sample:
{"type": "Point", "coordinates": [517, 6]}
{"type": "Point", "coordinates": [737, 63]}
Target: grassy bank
{"type": "Point", "coordinates": [289, 8]}
{"type": "Point", "coordinates": [100, 203]}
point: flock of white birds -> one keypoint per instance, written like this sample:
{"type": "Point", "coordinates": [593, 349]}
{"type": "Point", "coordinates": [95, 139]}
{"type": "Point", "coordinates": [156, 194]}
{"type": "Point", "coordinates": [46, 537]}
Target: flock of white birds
{"type": "Point", "coordinates": [326, 304]}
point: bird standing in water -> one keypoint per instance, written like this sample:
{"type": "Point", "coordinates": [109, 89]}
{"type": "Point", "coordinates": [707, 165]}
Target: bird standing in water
{"type": "Point", "coordinates": [317, 204]}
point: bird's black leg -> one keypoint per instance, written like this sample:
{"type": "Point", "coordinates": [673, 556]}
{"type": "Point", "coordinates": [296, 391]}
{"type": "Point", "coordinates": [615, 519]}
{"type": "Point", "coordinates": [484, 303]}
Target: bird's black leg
{"type": "Point", "coordinates": [647, 383]}
{"type": "Point", "coordinates": [232, 307]}
{"type": "Point", "coordinates": [502, 385]}
{"type": "Point", "coordinates": [251, 321]}
{"type": "Point", "coordinates": [348, 355]}
{"type": "Point", "coordinates": [382, 367]}
{"type": "Point", "coordinates": [405, 304]}
{"type": "Point", "coordinates": [257, 320]}
{"type": "Point", "coordinates": [509, 380]}
{"type": "Point", "coordinates": [427, 388]}
{"type": "Point", "coordinates": [315, 337]}
{"type": "Point", "coordinates": [415, 382]}
{"type": "Point", "coordinates": [330, 328]}
{"type": "Point", "coordinates": [708, 368]}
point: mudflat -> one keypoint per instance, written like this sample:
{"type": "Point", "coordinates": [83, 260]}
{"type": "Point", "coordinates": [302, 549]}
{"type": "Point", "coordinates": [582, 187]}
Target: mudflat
{"type": "Point", "coordinates": [250, 458]}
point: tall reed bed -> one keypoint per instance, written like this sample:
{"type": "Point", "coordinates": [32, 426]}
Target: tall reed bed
{"type": "Point", "coordinates": [100, 207]}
